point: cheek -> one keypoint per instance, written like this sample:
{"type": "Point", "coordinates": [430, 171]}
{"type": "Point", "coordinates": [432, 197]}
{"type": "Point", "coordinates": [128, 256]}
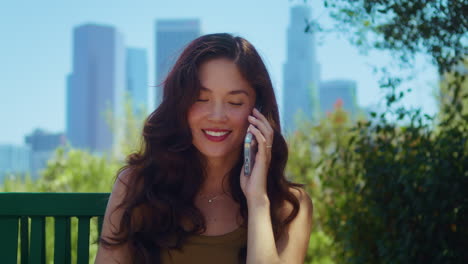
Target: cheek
{"type": "Point", "coordinates": [192, 117]}
{"type": "Point", "coordinates": [239, 118]}
{"type": "Point", "coordinates": [197, 111]}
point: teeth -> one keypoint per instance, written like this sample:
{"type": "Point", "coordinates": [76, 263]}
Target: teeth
{"type": "Point", "coordinates": [216, 134]}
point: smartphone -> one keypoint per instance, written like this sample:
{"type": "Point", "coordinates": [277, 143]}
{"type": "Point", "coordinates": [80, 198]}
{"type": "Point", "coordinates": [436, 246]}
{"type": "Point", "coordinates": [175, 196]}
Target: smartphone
{"type": "Point", "coordinates": [250, 151]}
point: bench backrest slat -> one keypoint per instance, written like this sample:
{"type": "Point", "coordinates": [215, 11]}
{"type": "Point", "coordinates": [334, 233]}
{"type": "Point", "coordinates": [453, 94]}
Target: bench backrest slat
{"type": "Point", "coordinates": [17, 209]}
{"type": "Point", "coordinates": [37, 243]}
{"type": "Point", "coordinates": [83, 239]}
{"type": "Point", "coordinates": [24, 238]}
{"type": "Point", "coordinates": [100, 220]}
{"type": "Point", "coordinates": [62, 246]}
{"type": "Point", "coordinates": [9, 232]}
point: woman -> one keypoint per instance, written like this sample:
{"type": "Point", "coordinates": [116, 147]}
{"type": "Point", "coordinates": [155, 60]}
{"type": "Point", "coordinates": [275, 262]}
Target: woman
{"type": "Point", "coordinates": [184, 198]}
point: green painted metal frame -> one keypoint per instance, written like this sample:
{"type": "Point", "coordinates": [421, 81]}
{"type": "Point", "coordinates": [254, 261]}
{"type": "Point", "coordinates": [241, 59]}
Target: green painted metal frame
{"type": "Point", "coordinates": [17, 209]}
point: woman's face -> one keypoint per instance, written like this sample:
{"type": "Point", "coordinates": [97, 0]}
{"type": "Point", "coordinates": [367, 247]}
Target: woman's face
{"type": "Point", "coordinates": [218, 119]}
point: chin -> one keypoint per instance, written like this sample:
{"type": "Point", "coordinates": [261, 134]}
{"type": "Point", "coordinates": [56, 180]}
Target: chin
{"type": "Point", "coordinates": [218, 151]}
{"type": "Point", "coordinates": [215, 153]}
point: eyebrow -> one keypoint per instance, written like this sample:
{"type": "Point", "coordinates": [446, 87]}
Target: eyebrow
{"type": "Point", "coordinates": [231, 92]}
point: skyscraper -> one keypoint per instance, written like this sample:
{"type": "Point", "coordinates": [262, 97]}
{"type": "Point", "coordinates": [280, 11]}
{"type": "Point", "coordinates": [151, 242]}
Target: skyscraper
{"type": "Point", "coordinates": [14, 160]}
{"type": "Point", "coordinates": [95, 86]}
{"type": "Point", "coordinates": [300, 72]}
{"type": "Point", "coordinates": [339, 90]}
{"type": "Point", "coordinates": [137, 78]}
{"type": "Point", "coordinates": [171, 38]}
{"type": "Point", "coordinates": [42, 145]}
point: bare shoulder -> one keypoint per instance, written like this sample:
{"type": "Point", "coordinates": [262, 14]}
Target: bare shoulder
{"type": "Point", "coordinates": [124, 183]}
{"type": "Point", "coordinates": [123, 179]}
{"type": "Point", "coordinates": [305, 203]}
{"type": "Point", "coordinates": [111, 222]}
{"type": "Point", "coordinates": [300, 228]}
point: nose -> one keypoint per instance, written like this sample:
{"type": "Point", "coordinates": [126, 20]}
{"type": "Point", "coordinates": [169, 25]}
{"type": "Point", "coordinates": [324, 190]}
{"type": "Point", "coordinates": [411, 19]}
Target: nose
{"type": "Point", "coordinates": [217, 113]}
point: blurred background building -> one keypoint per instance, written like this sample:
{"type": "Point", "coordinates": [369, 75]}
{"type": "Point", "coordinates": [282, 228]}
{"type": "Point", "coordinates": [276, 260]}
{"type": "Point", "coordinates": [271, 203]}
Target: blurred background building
{"type": "Point", "coordinates": [301, 72]}
{"type": "Point", "coordinates": [95, 85]}
{"type": "Point", "coordinates": [137, 79]}
{"type": "Point", "coordinates": [30, 158]}
{"type": "Point", "coordinates": [343, 91]}
{"type": "Point", "coordinates": [14, 160]}
{"type": "Point", "coordinates": [172, 35]}
{"type": "Point", "coordinates": [42, 146]}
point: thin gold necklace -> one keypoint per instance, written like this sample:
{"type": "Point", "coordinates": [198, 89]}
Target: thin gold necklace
{"type": "Point", "coordinates": [210, 200]}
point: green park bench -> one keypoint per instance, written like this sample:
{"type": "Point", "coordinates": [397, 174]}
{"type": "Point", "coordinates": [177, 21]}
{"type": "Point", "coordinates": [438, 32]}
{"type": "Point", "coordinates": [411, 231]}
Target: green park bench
{"type": "Point", "coordinates": [23, 228]}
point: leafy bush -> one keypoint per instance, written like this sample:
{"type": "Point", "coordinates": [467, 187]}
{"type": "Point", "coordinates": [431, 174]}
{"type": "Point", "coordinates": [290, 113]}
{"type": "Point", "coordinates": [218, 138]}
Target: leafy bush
{"type": "Point", "coordinates": [404, 191]}
{"type": "Point", "coordinates": [309, 147]}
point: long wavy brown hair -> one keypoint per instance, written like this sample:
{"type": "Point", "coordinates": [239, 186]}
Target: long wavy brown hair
{"type": "Point", "coordinates": [167, 172]}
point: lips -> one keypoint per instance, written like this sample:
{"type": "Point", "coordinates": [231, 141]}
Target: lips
{"type": "Point", "coordinates": [216, 135]}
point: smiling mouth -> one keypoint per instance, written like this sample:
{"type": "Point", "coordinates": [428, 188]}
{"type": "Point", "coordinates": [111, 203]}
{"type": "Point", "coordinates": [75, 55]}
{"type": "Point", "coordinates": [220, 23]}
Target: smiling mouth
{"type": "Point", "coordinates": [216, 133]}
{"type": "Point", "coordinates": [216, 136]}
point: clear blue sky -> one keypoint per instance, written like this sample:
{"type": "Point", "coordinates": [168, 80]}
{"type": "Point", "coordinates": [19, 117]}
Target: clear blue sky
{"type": "Point", "coordinates": [36, 48]}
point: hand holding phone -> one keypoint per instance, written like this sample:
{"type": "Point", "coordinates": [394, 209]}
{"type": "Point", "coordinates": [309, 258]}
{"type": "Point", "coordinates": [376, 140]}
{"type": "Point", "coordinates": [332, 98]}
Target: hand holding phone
{"type": "Point", "coordinates": [250, 150]}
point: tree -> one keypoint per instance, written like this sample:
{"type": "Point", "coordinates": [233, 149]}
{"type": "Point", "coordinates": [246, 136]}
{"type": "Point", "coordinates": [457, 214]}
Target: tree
{"type": "Point", "coordinates": [450, 96]}
{"type": "Point", "coordinates": [393, 193]}
{"type": "Point", "coordinates": [406, 28]}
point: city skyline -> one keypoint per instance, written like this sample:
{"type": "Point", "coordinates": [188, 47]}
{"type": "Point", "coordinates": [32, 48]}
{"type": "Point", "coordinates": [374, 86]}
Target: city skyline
{"type": "Point", "coordinates": [43, 80]}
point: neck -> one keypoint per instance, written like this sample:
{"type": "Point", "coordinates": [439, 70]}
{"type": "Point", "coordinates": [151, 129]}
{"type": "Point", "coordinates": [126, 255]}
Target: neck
{"type": "Point", "coordinates": [217, 169]}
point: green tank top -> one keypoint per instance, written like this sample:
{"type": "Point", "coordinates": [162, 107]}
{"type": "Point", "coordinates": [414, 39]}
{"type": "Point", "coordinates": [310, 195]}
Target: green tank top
{"type": "Point", "coordinates": [200, 249]}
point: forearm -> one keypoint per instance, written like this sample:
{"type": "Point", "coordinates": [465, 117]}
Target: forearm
{"type": "Point", "coordinates": [261, 247]}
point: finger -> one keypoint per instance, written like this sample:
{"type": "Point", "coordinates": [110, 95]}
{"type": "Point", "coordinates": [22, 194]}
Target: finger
{"type": "Point", "coordinates": [262, 127]}
{"type": "Point", "coordinates": [261, 141]}
{"type": "Point", "coordinates": [257, 114]}
{"type": "Point", "coordinates": [242, 171]}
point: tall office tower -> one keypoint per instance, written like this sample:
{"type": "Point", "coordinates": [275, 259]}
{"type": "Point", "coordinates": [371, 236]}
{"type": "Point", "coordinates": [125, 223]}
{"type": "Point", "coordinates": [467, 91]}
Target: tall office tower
{"type": "Point", "coordinates": [137, 79]}
{"type": "Point", "coordinates": [341, 91]}
{"type": "Point", "coordinates": [14, 160]}
{"type": "Point", "coordinates": [95, 86]}
{"type": "Point", "coordinates": [42, 145]}
{"type": "Point", "coordinates": [171, 38]}
{"type": "Point", "coordinates": [300, 72]}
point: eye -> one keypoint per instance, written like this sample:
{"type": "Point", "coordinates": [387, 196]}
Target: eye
{"type": "Point", "coordinates": [237, 104]}
{"type": "Point", "coordinates": [202, 100]}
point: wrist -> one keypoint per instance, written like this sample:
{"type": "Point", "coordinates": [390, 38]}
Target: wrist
{"type": "Point", "coordinates": [260, 200]}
